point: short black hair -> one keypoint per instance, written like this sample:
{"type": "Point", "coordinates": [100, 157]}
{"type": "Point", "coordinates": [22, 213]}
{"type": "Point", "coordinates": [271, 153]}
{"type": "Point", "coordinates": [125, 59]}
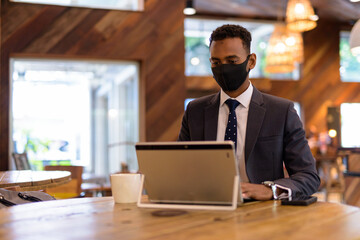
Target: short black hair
{"type": "Point", "coordinates": [232, 31]}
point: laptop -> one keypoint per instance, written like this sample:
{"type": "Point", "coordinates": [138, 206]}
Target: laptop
{"type": "Point", "coordinates": [189, 175]}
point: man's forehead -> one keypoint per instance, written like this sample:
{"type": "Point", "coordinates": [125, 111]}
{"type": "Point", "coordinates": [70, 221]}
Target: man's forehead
{"type": "Point", "coordinates": [227, 47]}
{"type": "Point", "coordinates": [227, 56]}
{"type": "Point", "coordinates": [234, 40]}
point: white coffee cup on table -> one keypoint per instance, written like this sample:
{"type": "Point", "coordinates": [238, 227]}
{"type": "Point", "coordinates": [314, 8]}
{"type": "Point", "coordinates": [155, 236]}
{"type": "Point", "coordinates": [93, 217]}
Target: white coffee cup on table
{"type": "Point", "coordinates": [125, 187]}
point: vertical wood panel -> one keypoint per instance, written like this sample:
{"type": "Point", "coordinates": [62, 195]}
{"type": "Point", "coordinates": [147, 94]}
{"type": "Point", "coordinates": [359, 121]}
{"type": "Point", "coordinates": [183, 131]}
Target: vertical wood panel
{"type": "Point", "coordinates": [154, 37]}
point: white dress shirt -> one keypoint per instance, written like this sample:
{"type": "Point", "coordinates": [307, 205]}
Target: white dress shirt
{"type": "Point", "coordinates": [241, 116]}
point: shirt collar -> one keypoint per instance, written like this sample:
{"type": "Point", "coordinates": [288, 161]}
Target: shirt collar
{"type": "Point", "coordinates": [244, 98]}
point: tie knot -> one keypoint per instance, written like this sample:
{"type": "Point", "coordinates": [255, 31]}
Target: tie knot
{"type": "Point", "coordinates": [232, 104]}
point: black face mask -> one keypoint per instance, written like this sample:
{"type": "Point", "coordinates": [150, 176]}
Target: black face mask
{"type": "Point", "coordinates": [231, 76]}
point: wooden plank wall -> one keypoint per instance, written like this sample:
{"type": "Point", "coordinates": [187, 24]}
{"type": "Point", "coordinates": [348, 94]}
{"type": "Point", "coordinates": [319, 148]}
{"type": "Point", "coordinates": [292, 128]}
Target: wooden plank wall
{"type": "Point", "coordinates": [154, 37]}
{"type": "Point", "coordinates": [320, 85]}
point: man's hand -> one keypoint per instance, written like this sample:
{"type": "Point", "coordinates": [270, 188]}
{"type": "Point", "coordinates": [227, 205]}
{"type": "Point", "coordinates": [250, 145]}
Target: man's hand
{"type": "Point", "coordinates": [256, 191]}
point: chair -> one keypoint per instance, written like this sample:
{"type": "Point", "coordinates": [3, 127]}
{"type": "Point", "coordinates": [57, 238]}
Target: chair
{"type": "Point", "coordinates": [333, 175]}
{"type": "Point", "coordinates": [96, 190]}
{"type": "Point", "coordinates": [68, 190]}
{"type": "Point", "coordinates": [21, 161]}
{"type": "Point", "coordinates": [95, 185]}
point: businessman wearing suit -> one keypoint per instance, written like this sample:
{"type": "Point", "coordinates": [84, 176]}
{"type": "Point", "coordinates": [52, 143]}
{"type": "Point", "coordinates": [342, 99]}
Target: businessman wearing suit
{"type": "Point", "coordinates": [266, 130]}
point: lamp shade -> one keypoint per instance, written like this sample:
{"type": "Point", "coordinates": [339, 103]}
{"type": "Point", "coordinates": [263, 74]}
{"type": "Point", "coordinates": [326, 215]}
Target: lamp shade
{"type": "Point", "coordinates": [300, 16]}
{"type": "Point", "coordinates": [279, 58]}
{"type": "Point", "coordinates": [295, 42]}
{"type": "Point", "coordinates": [355, 39]}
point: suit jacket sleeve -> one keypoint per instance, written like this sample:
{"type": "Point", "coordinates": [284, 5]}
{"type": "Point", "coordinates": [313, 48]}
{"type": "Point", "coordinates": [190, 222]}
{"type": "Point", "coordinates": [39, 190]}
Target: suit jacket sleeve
{"type": "Point", "coordinates": [298, 158]}
{"type": "Point", "coordinates": [184, 134]}
{"type": "Point", "coordinates": [199, 122]}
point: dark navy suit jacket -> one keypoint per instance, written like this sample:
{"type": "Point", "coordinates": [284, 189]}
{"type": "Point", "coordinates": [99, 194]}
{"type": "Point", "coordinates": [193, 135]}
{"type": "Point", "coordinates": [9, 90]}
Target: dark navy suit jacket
{"type": "Point", "coordinates": [274, 137]}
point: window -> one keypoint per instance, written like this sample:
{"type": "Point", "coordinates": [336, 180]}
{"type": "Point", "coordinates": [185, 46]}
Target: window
{"type": "Point", "coordinates": [350, 128]}
{"type": "Point", "coordinates": [134, 5]}
{"type": "Point", "coordinates": [349, 64]}
{"type": "Point", "coordinates": [297, 108]}
{"type": "Point", "coordinates": [187, 101]}
{"type": "Point", "coordinates": [197, 33]}
{"type": "Point", "coordinates": [75, 112]}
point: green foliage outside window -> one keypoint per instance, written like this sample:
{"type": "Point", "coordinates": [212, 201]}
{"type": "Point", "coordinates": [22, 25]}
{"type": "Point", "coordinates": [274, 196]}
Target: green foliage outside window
{"type": "Point", "coordinates": [349, 64]}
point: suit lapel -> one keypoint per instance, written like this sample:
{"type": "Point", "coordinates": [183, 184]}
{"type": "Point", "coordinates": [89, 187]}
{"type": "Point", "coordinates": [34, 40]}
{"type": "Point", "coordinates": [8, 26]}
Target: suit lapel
{"type": "Point", "coordinates": [211, 115]}
{"type": "Point", "coordinates": [255, 119]}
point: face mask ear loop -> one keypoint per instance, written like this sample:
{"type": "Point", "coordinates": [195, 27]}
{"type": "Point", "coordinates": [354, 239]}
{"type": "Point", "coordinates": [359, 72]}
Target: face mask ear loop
{"type": "Point", "coordinates": [247, 61]}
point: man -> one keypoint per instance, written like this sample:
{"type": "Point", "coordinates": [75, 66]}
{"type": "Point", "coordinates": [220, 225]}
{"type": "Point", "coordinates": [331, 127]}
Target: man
{"type": "Point", "coordinates": [266, 130]}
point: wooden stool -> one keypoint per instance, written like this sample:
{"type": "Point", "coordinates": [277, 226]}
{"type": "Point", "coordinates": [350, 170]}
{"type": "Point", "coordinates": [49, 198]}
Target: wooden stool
{"type": "Point", "coordinates": [96, 190]}
{"type": "Point", "coordinates": [333, 175]}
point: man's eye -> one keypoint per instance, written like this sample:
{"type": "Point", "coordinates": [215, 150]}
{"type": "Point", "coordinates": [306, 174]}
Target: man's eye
{"type": "Point", "coordinates": [232, 61]}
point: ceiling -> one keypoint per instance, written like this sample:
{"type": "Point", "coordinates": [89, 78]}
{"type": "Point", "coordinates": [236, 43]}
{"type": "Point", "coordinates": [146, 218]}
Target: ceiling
{"type": "Point", "coordinates": [336, 10]}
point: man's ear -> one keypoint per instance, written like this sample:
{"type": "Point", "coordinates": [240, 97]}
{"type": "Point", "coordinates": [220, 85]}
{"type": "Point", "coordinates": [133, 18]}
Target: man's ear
{"type": "Point", "coordinates": [252, 60]}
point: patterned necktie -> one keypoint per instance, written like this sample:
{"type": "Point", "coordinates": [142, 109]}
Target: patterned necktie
{"type": "Point", "coordinates": [231, 129]}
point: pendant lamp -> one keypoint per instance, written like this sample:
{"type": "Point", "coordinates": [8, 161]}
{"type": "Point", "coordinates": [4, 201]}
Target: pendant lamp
{"type": "Point", "coordinates": [189, 8]}
{"type": "Point", "coordinates": [295, 41]}
{"type": "Point", "coordinates": [300, 16]}
{"type": "Point", "coordinates": [279, 58]}
{"type": "Point", "coordinates": [355, 39]}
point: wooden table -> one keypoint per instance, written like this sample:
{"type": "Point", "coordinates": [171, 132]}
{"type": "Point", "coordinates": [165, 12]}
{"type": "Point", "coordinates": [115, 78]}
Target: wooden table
{"type": "Point", "coordinates": [100, 218]}
{"type": "Point", "coordinates": [29, 180]}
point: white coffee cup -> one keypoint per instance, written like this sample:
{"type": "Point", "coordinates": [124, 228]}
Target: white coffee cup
{"type": "Point", "coordinates": [125, 187]}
